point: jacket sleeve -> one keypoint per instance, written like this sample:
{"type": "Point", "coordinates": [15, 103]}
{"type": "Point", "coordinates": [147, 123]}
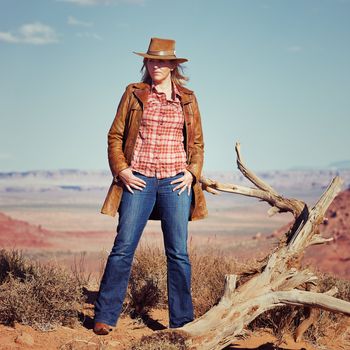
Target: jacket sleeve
{"type": "Point", "coordinates": [116, 157]}
{"type": "Point", "coordinates": [197, 152]}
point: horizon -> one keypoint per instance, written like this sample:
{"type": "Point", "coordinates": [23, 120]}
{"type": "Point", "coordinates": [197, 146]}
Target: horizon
{"type": "Point", "coordinates": [339, 165]}
{"type": "Point", "coordinates": [329, 167]}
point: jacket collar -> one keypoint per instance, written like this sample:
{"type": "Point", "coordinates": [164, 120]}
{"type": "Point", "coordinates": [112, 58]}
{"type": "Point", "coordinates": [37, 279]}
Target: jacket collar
{"type": "Point", "coordinates": [142, 91]}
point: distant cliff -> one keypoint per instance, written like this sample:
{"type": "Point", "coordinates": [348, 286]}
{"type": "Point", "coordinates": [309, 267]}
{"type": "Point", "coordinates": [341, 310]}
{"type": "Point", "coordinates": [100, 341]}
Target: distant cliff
{"type": "Point", "coordinates": [80, 180]}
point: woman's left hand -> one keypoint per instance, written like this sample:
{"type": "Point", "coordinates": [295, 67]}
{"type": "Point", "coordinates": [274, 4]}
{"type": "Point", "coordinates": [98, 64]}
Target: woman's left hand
{"type": "Point", "coordinates": [185, 182]}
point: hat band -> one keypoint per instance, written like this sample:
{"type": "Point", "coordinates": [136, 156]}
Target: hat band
{"type": "Point", "coordinates": [161, 53]}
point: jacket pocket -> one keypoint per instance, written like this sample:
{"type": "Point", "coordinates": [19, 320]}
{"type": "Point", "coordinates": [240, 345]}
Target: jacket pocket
{"type": "Point", "coordinates": [133, 115]}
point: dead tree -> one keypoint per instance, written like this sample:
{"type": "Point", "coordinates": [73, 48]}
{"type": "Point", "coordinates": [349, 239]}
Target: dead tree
{"type": "Point", "coordinates": [280, 280]}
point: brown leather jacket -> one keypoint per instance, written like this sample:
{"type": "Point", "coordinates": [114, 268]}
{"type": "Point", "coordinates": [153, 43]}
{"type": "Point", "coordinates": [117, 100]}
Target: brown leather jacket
{"type": "Point", "coordinates": [122, 137]}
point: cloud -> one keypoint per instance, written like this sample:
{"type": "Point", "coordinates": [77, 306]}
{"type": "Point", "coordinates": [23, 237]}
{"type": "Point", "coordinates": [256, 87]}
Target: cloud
{"type": "Point", "coordinates": [103, 2]}
{"type": "Point", "coordinates": [76, 22]}
{"type": "Point", "coordinates": [8, 37]}
{"type": "Point", "coordinates": [294, 48]}
{"type": "Point", "coordinates": [32, 33]}
{"type": "Point", "coordinates": [89, 35]}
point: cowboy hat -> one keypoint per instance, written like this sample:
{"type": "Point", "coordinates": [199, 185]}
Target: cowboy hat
{"type": "Point", "coordinates": [161, 49]}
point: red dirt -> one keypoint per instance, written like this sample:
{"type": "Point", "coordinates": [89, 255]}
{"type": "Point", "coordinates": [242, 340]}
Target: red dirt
{"type": "Point", "coordinates": [332, 257]}
{"type": "Point", "coordinates": [122, 337]}
{"type": "Point", "coordinates": [20, 234]}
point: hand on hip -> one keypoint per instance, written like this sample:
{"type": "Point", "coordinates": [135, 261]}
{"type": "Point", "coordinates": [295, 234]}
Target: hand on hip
{"type": "Point", "coordinates": [131, 181]}
{"type": "Point", "coordinates": [185, 182]}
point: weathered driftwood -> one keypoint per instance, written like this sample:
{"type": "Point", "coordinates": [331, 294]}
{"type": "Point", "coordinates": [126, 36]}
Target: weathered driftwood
{"type": "Point", "coordinates": [280, 277]}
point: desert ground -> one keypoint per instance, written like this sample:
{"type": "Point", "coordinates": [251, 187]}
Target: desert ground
{"type": "Point", "coordinates": [49, 226]}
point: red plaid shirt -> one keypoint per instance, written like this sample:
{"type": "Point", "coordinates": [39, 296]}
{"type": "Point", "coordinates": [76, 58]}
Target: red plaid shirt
{"type": "Point", "coordinates": [159, 149]}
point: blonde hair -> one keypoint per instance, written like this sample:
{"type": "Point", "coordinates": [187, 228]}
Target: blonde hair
{"type": "Point", "coordinates": [177, 74]}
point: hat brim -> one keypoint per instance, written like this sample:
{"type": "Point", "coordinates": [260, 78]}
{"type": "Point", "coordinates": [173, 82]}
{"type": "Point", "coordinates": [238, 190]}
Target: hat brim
{"type": "Point", "coordinates": [172, 58]}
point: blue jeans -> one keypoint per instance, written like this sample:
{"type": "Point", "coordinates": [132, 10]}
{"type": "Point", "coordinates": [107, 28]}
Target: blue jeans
{"type": "Point", "coordinates": [134, 212]}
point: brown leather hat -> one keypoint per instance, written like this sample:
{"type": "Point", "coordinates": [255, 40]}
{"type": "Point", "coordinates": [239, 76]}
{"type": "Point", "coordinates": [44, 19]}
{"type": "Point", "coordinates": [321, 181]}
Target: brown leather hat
{"type": "Point", "coordinates": [161, 49]}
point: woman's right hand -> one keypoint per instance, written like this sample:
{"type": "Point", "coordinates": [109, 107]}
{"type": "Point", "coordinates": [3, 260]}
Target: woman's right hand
{"type": "Point", "coordinates": [131, 181]}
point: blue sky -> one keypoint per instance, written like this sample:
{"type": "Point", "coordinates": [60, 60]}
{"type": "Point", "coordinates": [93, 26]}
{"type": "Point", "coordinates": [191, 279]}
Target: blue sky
{"type": "Point", "coordinates": [272, 74]}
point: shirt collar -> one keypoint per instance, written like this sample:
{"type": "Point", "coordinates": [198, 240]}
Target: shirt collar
{"type": "Point", "coordinates": [175, 89]}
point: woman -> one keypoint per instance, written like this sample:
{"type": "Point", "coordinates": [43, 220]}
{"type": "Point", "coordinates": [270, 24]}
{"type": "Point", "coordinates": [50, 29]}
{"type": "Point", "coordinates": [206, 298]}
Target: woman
{"type": "Point", "coordinates": [155, 152]}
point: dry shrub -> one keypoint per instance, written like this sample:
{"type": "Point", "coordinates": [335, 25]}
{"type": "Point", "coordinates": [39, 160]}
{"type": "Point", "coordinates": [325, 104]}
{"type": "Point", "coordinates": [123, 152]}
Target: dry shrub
{"type": "Point", "coordinates": [279, 320]}
{"type": "Point", "coordinates": [147, 284]}
{"type": "Point", "coordinates": [148, 288]}
{"type": "Point", "coordinates": [42, 296]}
{"type": "Point", "coordinates": [286, 319]}
{"type": "Point", "coordinates": [12, 262]}
{"type": "Point", "coordinates": [328, 323]}
{"type": "Point", "coordinates": [81, 275]}
{"type": "Point", "coordinates": [208, 277]}
{"type": "Point", "coordinates": [327, 282]}
{"type": "Point", "coordinates": [161, 341]}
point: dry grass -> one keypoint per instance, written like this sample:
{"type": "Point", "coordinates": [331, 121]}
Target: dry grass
{"type": "Point", "coordinates": [164, 341]}
{"type": "Point", "coordinates": [147, 284]}
{"type": "Point", "coordinates": [44, 296]}
{"type": "Point", "coordinates": [148, 288]}
{"type": "Point", "coordinates": [81, 275]}
{"type": "Point", "coordinates": [330, 324]}
{"type": "Point", "coordinates": [37, 295]}
{"type": "Point", "coordinates": [208, 276]}
{"type": "Point", "coordinates": [286, 319]}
